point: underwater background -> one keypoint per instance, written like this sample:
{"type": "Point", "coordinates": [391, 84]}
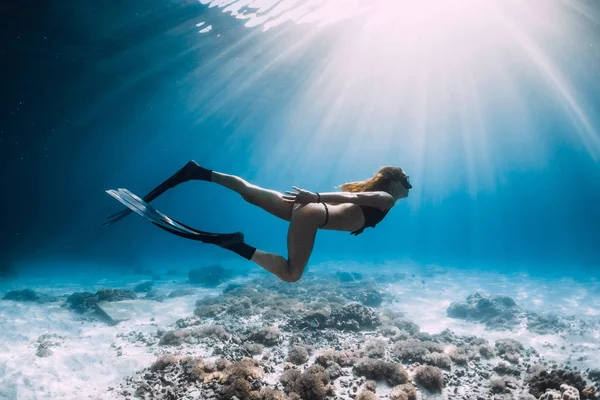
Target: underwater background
{"type": "Point", "coordinates": [492, 108]}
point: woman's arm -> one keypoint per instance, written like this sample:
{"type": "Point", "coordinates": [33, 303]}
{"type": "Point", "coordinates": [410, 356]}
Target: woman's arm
{"type": "Point", "coordinates": [380, 199]}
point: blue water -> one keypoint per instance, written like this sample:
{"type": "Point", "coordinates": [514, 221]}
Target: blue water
{"type": "Point", "coordinates": [492, 107]}
{"type": "Point", "coordinates": [502, 146]}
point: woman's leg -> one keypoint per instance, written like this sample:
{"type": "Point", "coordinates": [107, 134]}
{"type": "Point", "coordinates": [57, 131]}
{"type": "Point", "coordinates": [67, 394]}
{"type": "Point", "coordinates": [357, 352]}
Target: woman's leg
{"type": "Point", "coordinates": [269, 200]}
{"type": "Point", "coordinates": [302, 232]}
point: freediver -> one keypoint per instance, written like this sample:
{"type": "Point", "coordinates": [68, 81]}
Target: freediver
{"type": "Point", "coordinates": [359, 205]}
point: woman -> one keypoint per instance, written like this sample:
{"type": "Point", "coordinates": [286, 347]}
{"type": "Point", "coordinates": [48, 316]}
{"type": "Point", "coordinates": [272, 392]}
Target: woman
{"type": "Point", "coordinates": [357, 206]}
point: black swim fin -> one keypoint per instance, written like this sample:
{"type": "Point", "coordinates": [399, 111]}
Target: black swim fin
{"type": "Point", "coordinates": [230, 241]}
{"type": "Point", "coordinates": [190, 171]}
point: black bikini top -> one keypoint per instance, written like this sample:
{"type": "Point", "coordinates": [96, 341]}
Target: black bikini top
{"type": "Point", "coordinates": [373, 216]}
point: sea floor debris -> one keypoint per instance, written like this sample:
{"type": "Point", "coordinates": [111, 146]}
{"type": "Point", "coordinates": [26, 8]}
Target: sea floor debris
{"type": "Point", "coordinates": [259, 341]}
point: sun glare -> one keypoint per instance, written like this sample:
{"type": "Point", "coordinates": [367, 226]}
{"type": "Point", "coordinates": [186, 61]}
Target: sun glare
{"type": "Point", "coordinates": [432, 81]}
{"type": "Point", "coordinates": [423, 18]}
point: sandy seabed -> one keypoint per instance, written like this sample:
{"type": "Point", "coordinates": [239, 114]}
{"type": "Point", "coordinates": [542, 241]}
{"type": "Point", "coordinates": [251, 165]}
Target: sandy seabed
{"type": "Point", "coordinates": [92, 359]}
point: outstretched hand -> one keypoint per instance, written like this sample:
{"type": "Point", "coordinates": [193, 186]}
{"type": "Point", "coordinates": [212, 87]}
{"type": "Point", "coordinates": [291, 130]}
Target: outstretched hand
{"type": "Point", "coordinates": [301, 197]}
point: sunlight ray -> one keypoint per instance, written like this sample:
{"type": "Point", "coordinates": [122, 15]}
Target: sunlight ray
{"type": "Point", "coordinates": [399, 78]}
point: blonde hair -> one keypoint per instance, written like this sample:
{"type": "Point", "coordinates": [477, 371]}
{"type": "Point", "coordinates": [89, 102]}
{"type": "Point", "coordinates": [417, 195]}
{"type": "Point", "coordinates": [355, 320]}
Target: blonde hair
{"type": "Point", "coordinates": [381, 181]}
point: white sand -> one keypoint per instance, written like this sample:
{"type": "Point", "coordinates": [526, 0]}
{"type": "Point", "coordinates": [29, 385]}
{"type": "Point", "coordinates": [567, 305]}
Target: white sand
{"type": "Point", "coordinates": [426, 305]}
{"type": "Point", "coordinates": [86, 363]}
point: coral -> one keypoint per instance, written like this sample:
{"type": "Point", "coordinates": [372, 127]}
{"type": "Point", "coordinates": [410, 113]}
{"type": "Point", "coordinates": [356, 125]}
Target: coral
{"type": "Point", "coordinates": [222, 364]}
{"type": "Point", "coordinates": [594, 375]}
{"type": "Point", "coordinates": [237, 379]}
{"type": "Point", "coordinates": [209, 311]}
{"type": "Point", "coordinates": [440, 360]}
{"type": "Point", "coordinates": [432, 346]}
{"type": "Point", "coordinates": [534, 370]}
{"type": "Point", "coordinates": [82, 301]}
{"type": "Point", "coordinates": [371, 386]}
{"type": "Point", "coordinates": [46, 341]}
{"type": "Point", "coordinates": [569, 392]}
{"type": "Point", "coordinates": [366, 395]}
{"type": "Point", "coordinates": [368, 296]}
{"type": "Point", "coordinates": [209, 366]}
{"type": "Point", "coordinates": [509, 349]}
{"type": "Point", "coordinates": [269, 315]}
{"type": "Point", "coordinates": [404, 392]}
{"type": "Point", "coordinates": [267, 335]}
{"type": "Point", "coordinates": [375, 348]}
{"type": "Point", "coordinates": [182, 292]}
{"type": "Point", "coordinates": [588, 393]}
{"type": "Point", "coordinates": [143, 287]}
{"type": "Point", "coordinates": [400, 322]}
{"type": "Point", "coordinates": [152, 295]}
{"type": "Point", "coordinates": [539, 383]}
{"type": "Point", "coordinates": [446, 336]}
{"type": "Point", "coordinates": [192, 369]}
{"type": "Point", "coordinates": [492, 310]}
{"type": "Point", "coordinates": [545, 324]}
{"type": "Point", "coordinates": [550, 394]}
{"type": "Point", "coordinates": [173, 338]}
{"type": "Point", "coordinates": [486, 351]}
{"type": "Point", "coordinates": [503, 385]}
{"type": "Point", "coordinates": [389, 331]}
{"type": "Point", "coordinates": [28, 295]}
{"type": "Point", "coordinates": [353, 317]}
{"type": "Point", "coordinates": [311, 320]}
{"type": "Point", "coordinates": [376, 369]}
{"type": "Point", "coordinates": [410, 351]}
{"type": "Point", "coordinates": [254, 348]}
{"type": "Point", "coordinates": [312, 384]}
{"type": "Point", "coordinates": [343, 276]}
{"type": "Point", "coordinates": [163, 362]}
{"type": "Point", "coordinates": [239, 388]}
{"type": "Point", "coordinates": [233, 287]}
{"type": "Point", "coordinates": [43, 350]}
{"type": "Point", "coordinates": [173, 377]}
{"type": "Point", "coordinates": [504, 346]}
{"type": "Point", "coordinates": [241, 306]}
{"type": "Point", "coordinates": [352, 361]}
{"type": "Point", "coordinates": [298, 355]}
{"type": "Point", "coordinates": [246, 367]}
{"type": "Point", "coordinates": [474, 340]}
{"type": "Point", "coordinates": [462, 354]}
{"type": "Point", "coordinates": [402, 335]}
{"type": "Point", "coordinates": [217, 331]}
{"type": "Point", "coordinates": [431, 378]}
{"type": "Point", "coordinates": [271, 394]}
{"type": "Point", "coordinates": [115, 295]}
{"type": "Point", "coordinates": [506, 369]}
{"type": "Point", "coordinates": [289, 377]}
{"type": "Point", "coordinates": [343, 358]}
{"type": "Point", "coordinates": [196, 369]}
{"type": "Point", "coordinates": [498, 386]}
{"type": "Point", "coordinates": [210, 276]}
{"type": "Point", "coordinates": [415, 350]}
{"type": "Point", "coordinates": [333, 372]}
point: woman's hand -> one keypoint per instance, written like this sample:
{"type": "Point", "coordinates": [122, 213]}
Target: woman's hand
{"type": "Point", "coordinates": [302, 197]}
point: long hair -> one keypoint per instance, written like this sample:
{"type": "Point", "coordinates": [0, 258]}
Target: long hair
{"type": "Point", "coordinates": [381, 181]}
